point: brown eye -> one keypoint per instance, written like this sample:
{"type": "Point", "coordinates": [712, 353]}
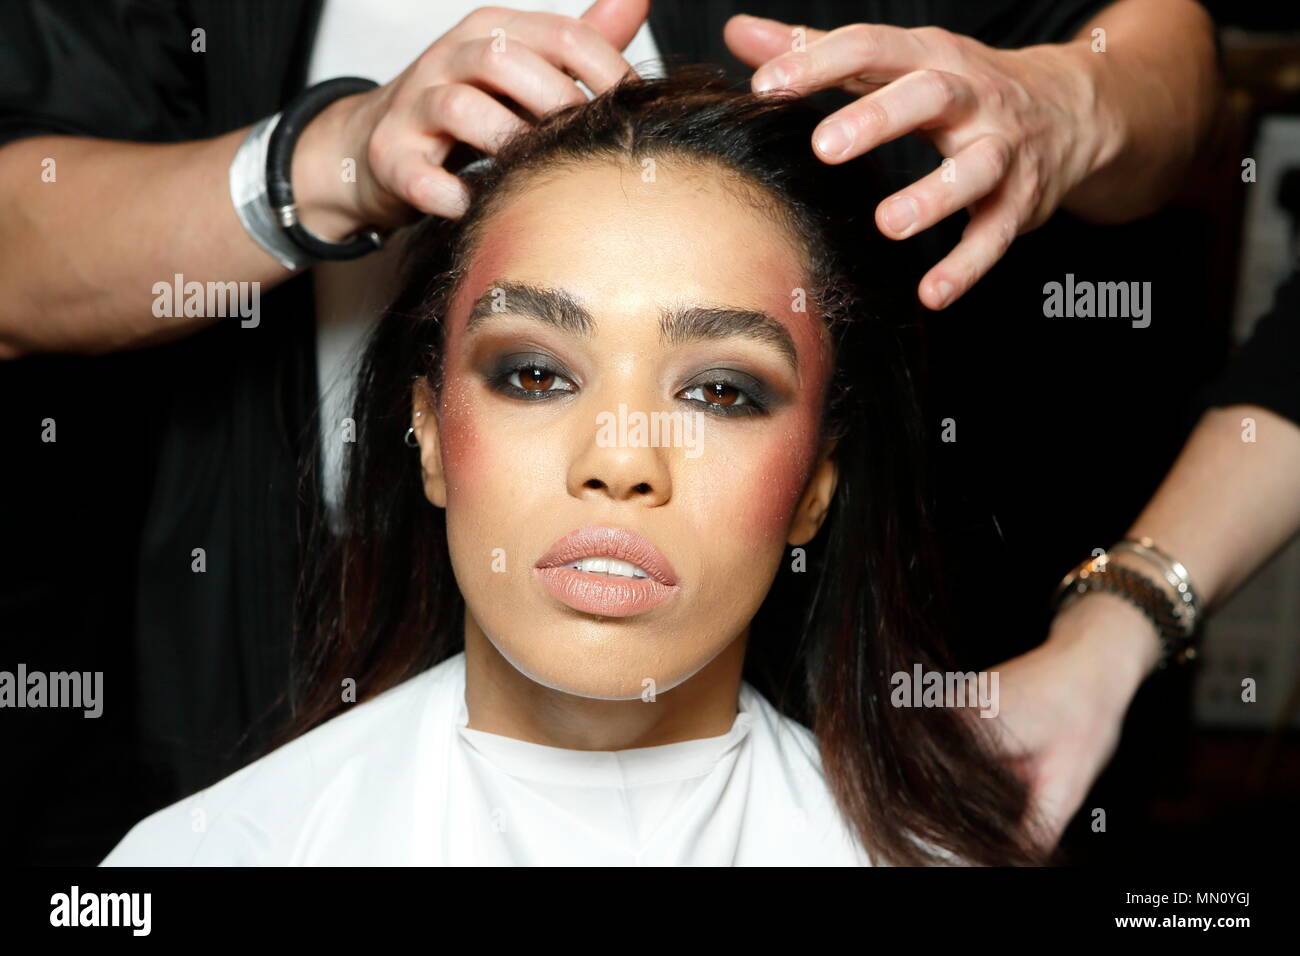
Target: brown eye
{"type": "Point", "coordinates": [720, 393]}
{"type": "Point", "coordinates": [530, 379]}
{"type": "Point", "coordinates": [536, 379]}
{"type": "Point", "coordinates": [726, 398]}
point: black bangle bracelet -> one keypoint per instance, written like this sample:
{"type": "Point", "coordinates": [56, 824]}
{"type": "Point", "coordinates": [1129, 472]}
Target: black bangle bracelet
{"type": "Point", "coordinates": [279, 159]}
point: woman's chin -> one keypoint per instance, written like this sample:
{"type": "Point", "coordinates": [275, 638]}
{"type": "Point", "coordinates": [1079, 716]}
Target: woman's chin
{"type": "Point", "coordinates": [600, 666]}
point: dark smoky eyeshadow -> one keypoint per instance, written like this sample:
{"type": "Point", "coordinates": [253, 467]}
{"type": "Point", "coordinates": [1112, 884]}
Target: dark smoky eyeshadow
{"type": "Point", "coordinates": [761, 396]}
{"type": "Point", "coordinates": [500, 368]}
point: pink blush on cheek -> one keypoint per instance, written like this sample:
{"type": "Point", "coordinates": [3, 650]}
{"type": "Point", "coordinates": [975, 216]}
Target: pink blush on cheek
{"type": "Point", "coordinates": [773, 492]}
{"type": "Point", "coordinates": [459, 438]}
{"type": "Point", "coordinates": [777, 480]}
{"type": "Point", "coordinates": [462, 453]}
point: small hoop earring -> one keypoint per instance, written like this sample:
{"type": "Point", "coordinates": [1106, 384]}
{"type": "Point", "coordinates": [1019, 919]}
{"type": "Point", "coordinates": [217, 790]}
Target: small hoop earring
{"type": "Point", "coordinates": [410, 438]}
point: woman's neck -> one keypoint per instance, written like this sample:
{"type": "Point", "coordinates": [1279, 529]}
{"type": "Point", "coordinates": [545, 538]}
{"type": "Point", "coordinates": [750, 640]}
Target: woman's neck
{"type": "Point", "coordinates": [502, 700]}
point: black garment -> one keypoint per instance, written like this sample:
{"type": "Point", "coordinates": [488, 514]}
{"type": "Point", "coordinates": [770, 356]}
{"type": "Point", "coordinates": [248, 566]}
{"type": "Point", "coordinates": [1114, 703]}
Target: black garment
{"type": "Point", "coordinates": [192, 444]}
{"type": "Point", "coordinates": [1266, 371]}
{"type": "Point", "coordinates": [159, 451]}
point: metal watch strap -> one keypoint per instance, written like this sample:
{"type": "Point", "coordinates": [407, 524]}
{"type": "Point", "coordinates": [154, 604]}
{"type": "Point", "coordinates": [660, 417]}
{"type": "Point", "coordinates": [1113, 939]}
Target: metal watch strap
{"type": "Point", "coordinates": [1187, 601]}
{"type": "Point", "coordinates": [1142, 593]}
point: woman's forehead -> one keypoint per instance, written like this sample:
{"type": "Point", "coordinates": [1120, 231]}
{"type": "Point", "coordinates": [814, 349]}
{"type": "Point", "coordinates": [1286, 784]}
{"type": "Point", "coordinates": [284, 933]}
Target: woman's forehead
{"type": "Point", "coordinates": [621, 239]}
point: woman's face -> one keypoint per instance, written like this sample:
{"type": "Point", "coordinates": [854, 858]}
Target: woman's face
{"type": "Point", "coordinates": [629, 374]}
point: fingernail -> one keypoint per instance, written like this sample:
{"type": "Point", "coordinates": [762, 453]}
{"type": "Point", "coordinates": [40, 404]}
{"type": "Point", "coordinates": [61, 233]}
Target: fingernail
{"type": "Point", "coordinates": [771, 78]}
{"type": "Point", "coordinates": [833, 140]}
{"type": "Point", "coordinates": [900, 213]}
{"type": "Point", "coordinates": [944, 288]}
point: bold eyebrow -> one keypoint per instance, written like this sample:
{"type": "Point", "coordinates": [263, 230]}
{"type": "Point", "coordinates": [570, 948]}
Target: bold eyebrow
{"type": "Point", "coordinates": [690, 323]}
{"type": "Point", "coordinates": [552, 306]}
{"type": "Point", "coordinates": [677, 325]}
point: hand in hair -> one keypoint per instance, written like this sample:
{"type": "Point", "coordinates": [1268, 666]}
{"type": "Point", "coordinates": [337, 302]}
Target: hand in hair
{"type": "Point", "coordinates": [479, 83]}
{"type": "Point", "coordinates": [1062, 705]}
{"type": "Point", "coordinates": [1104, 131]}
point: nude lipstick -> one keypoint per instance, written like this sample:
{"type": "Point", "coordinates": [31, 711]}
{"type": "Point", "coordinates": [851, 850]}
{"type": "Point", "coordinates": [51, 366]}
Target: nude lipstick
{"type": "Point", "coordinates": [610, 572]}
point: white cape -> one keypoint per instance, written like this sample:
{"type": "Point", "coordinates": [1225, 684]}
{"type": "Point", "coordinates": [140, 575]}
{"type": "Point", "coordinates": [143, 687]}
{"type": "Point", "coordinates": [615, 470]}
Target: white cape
{"type": "Point", "coordinates": [400, 780]}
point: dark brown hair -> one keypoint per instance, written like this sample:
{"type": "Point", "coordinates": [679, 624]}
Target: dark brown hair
{"type": "Point", "coordinates": [379, 603]}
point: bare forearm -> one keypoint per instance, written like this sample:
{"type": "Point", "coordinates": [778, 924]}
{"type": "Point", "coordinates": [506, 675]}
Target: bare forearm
{"type": "Point", "coordinates": [79, 256]}
{"type": "Point", "coordinates": [1157, 95]}
{"type": "Point", "coordinates": [1228, 504]}
{"type": "Point", "coordinates": [1225, 507]}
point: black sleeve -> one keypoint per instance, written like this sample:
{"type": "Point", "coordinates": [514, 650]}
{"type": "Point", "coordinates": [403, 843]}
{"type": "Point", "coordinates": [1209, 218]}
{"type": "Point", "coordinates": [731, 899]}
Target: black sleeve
{"type": "Point", "coordinates": [114, 69]}
{"type": "Point", "coordinates": [694, 27]}
{"type": "Point", "coordinates": [1009, 24]}
{"type": "Point", "coordinates": [200, 440]}
{"type": "Point", "coordinates": [1266, 371]}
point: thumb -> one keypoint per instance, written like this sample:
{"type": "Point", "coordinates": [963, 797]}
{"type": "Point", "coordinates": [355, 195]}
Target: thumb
{"type": "Point", "coordinates": [755, 40]}
{"type": "Point", "coordinates": [617, 20]}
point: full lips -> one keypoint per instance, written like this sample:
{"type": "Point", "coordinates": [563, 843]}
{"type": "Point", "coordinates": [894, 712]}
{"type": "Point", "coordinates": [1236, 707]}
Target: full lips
{"type": "Point", "coordinates": [606, 595]}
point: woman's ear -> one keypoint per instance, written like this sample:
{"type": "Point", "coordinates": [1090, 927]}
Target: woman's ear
{"type": "Point", "coordinates": [424, 419]}
{"type": "Point", "coordinates": [816, 500]}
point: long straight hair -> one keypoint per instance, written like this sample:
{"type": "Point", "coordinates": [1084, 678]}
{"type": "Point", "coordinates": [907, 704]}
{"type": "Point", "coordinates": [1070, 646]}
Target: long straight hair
{"type": "Point", "coordinates": [378, 602]}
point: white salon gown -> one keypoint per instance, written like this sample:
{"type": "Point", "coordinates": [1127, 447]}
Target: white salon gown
{"type": "Point", "coordinates": [401, 780]}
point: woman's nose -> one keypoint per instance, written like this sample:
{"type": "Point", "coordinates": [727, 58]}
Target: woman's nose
{"type": "Point", "coordinates": [621, 461]}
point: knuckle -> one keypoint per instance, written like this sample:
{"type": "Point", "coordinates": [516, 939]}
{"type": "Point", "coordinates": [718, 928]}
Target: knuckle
{"type": "Point", "coordinates": [570, 95]}
{"type": "Point", "coordinates": [453, 103]}
{"type": "Point", "coordinates": [790, 66]}
{"type": "Point", "coordinates": [411, 186]}
{"type": "Point", "coordinates": [1005, 232]}
{"type": "Point", "coordinates": [481, 17]}
{"type": "Point", "coordinates": [1011, 230]}
{"type": "Point", "coordinates": [865, 41]}
{"type": "Point", "coordinates": [997, 158]}
{"type": "Point", "coordinates": [483, 55]}
{"type": "Point", "coordinates": [990, 93]}
{"type": "Point", "coordinates": [940, 86]}
{"type": "Point", "coordinates": [931, 203]}
{"type": "Point", "coordinates": [570, 34]}
{"type": "Point", "coordinates": [964, 270]}
{"type": "Point", "coordinates": [937, 39]}
{"type": "Point", "coordinates": [928, 34]}
{"type": "Point", "coordinates": [472, 22]}
{"type": "Point", "coordinates": [430, 61]}
{"type": "Point", "coordinates": [871, 116]}
{"type": "Point", "coordinates": [1032, 184]}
